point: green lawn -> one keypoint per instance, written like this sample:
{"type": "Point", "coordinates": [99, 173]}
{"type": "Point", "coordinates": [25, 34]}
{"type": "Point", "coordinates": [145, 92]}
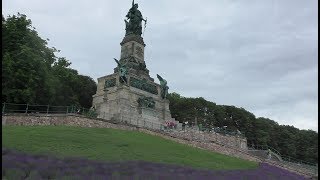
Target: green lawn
{"type": "Point", "coordinates": [114, 145]}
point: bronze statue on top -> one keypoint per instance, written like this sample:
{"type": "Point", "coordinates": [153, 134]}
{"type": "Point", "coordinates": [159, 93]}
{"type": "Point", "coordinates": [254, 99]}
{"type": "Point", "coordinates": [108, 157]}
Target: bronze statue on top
{"type": "Point", "coordinates": [134, 26]}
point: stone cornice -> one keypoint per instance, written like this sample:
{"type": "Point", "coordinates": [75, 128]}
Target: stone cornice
{"type": "Point", "coordinates": [132, 37]}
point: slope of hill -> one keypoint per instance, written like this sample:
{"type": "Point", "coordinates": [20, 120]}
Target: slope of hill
{"type": "Point", "coordinates": [113, 145]}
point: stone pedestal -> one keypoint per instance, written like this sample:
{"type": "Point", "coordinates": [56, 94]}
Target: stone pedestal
{"type": "Point", "coordinates": [137, 101]}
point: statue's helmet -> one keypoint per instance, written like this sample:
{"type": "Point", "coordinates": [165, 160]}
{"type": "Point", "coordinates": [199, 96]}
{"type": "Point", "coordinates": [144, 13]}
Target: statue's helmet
{"type": "Point", "coordinates": [136, 5]}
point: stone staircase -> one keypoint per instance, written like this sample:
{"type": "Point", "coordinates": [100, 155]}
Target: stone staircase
{"type": "Point", "coordinates": [277, 160]}
{"type": "Point", "coordinates": [264, 155]}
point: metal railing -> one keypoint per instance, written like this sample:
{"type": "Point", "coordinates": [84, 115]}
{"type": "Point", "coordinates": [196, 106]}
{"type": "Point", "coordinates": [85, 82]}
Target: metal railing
{"type": "Point", "coordinates": [143, 122]}
{"type": "Point", "coordinates": [9, 108]}
{"type": "Point", "coordinates": [218, 130]}
{"type": "Point", "coordinates": [286, 159]}
{"type": "Point", "coordinates": [265, 147]}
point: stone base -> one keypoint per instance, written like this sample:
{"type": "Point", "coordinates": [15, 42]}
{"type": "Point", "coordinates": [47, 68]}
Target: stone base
{"type": "Point", "coordinates": [118, 98]}
{"type": "Point", "coordinates": [121, 103]}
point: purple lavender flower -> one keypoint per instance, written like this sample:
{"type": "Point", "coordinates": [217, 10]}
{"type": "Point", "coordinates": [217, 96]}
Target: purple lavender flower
{"type": "Point", "coordinates": [18, 165]}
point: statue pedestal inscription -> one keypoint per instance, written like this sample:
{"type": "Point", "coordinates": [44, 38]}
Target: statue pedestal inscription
{"type": "Point", "coordinates": [130, 94]}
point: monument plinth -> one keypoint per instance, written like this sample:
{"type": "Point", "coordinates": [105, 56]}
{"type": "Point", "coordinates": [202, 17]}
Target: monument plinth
{"type": "Point", "coordinates": [130, 94]}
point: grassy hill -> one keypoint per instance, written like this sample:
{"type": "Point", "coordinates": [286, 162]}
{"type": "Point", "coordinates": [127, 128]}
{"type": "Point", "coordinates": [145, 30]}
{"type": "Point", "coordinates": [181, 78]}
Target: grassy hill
{"type": "Point", "coordinates": [113, 145]}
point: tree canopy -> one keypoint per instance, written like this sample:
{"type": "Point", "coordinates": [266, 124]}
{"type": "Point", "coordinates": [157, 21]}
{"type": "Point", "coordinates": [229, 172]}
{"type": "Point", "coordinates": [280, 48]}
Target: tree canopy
{"type": "Point", "coordinates": [32, 73]}
{"type": "Point", "coordinates": [288, 140]}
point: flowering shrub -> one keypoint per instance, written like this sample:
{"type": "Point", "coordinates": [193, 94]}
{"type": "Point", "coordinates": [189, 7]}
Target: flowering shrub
{"type": "Point", "coordinates": [17, 165]}
{"type": "Point", "coordinates": [170, 125]}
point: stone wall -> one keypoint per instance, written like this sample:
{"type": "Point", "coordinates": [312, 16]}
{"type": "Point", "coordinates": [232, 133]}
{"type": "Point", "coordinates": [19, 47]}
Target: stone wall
{"type": "Point", "coordinates": [212, 137]}
{"type": "Point", "coordinates": [227, 150]}
{"type": "Point", "coordinates": [68, 120]}
{"type": "Point", "coordinates": [121, 103]}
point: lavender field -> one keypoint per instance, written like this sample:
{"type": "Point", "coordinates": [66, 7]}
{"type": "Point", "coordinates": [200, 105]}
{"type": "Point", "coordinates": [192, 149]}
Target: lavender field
{"type": "Point", "coordinates": [18, 165]}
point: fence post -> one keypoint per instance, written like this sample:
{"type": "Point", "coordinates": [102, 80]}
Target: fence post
{"type": "Point", "coordinates": [48, 109]}
{"type": "Point", "coordinates": [4, 107]}
{"type": "Point", "coordinates": [203, 137]}
{"type": "Point", "coordinates": [27, 108]}
{"type": "Point", "coordinates": [67, 109]}
{"type": "Point", "coordinates": [151, 125]}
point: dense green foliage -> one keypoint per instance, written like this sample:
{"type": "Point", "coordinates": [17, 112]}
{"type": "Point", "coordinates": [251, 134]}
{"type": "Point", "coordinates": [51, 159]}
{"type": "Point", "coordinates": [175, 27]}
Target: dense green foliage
{"type": "Point", "coordinates": [288, 140]}
{"type": "Point", "coordinates": [31, 73]}
{"type": "Point", "coordinates": [113, 145]}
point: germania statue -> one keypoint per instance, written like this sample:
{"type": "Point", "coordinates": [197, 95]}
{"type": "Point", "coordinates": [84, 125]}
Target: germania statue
{"type": "Point", "coordinates": [134, 25]}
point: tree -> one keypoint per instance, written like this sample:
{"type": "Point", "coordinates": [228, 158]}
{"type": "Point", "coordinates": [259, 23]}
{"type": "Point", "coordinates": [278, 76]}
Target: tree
{"type": "Point", "coordinates": [88, 88]}
{"type": "Point", "coordinates": [288, 140]}
{"type": "Point", "coordinates": [24, 64]}
{"type": "Point", "coordinates": [33, 74]}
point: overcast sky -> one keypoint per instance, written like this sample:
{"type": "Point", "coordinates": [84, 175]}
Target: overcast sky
{"type": "Point", "coordinates": [259, 55]}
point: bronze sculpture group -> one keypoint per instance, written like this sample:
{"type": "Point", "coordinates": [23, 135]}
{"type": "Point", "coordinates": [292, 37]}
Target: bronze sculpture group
{"type": "Point", "coordinates": [134, 25]}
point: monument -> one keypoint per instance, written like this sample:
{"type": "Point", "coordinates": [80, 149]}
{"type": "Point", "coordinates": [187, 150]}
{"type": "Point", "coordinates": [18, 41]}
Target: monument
{"type": "Point", "coordinates": [130, 94]}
